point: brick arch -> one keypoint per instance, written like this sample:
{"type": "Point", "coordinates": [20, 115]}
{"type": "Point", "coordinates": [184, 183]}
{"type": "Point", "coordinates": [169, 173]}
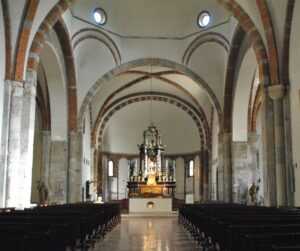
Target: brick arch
{"type": "Point", "coordinates": [210, 37]}
{"type": "Point", "coordinates": [256, 107]}
{"type": "Point", "coordinates": [23, 38]}
{"type": "Point", "coordinates": [286, 44]}
{"type": "Point", "coordinates": [7, 34]}
{"type": "Point", "coordinates": [271, 40]}
{"type": "Point", "coordinates": [43, 101]}
{"type": "Point", "coordinates": [232, 62]}
{"type": "Point", "coordinates": [65, 42]}
{"type": "Point", "coordinates": [146, 96]}
{"type": "Point", "coordinates": [40, 36]}
{"type": "Point", "coordinates": [144, 62]}
{"type": "Point", "coordinates": [41, 105]}
{"type": "Point", "coordinates": [250, 29]}
{"type": "Point", "coordinates": [158, 75]}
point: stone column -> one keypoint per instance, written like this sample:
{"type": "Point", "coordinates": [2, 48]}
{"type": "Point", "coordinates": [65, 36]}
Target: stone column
{"type": "Point", "coordinates": [58, 172]}
{"type": "Point", "coordinates": [253, 150]}
{"type": "Point", "coordinates": [277, 92]}
{"type": "Point", "coordinates": [268, 142]}
{"type": "Point", "coordinates": [4, 141]}
{"type": "Point", "coordinates": [205, 173]}
{"type": "Point", "coordinates": [227, 175]}
{"type": "Point", "coordinates": [46, 157]}
{"type": "Point", "coordinates": [220, 170]}
{"type": "Point", "coordinates": [75, 166]}
{"type": "Point", "coordinates": [288, 150]}
{"type": "Point", "coordinates": [20, 143]}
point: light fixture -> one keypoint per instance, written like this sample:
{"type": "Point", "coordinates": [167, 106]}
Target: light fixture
{"type": "Point", "coordinates": [204, 19]}
{"type": "Point", "coordinates": [99, 16]}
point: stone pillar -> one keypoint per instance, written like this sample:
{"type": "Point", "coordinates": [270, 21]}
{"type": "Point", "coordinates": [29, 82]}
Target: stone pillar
{"type": "Point", "coordinates": [220, 170]}
{"type": "Point", "coordinates": [227, 172]}
{"type": "Point", "coordinates": [4, 141]}
{"type": "Point", "coordinates": [58, 172]}
{"type": "Point", "coordinates": [277, 92]}
{"type": "Point", "coordinates": [269, 163]}
{"type": "Point", "coordinates": [75, 167]}
{"type": "Point", "coordinates": [205, 173]}
{"type": "Point", "coordinates": [20, 142]}
{"type": "Point", "coordinates": [288, 151]}
{"type": "Point", "coordinates": [210, 179]}
{"type": "Point", "coordinates": [46, 157]}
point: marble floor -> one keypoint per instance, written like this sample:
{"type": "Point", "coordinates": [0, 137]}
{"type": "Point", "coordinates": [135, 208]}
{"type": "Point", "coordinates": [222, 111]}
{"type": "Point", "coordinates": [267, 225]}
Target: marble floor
{"type": "Point", "coordinates": [147, 234]}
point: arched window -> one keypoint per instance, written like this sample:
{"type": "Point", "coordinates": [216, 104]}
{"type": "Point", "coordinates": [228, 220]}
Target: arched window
{"type": "Point", "coordinates": [110, 168]}
{"type": "Point", "coordinates": [191, 168]}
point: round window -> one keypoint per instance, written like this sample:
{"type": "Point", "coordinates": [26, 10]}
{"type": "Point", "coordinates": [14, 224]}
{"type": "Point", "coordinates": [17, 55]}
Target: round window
{"type": "Point", "coordinates": [99, 16]}
{"type": "Point", "coordinates": [204, 19]}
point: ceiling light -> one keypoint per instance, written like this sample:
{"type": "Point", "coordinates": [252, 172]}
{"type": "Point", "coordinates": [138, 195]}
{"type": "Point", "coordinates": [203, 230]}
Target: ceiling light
{"type": "Point", "coordinates": [99, 16]}
{"type": "Point", "coordinates": [204, 19]}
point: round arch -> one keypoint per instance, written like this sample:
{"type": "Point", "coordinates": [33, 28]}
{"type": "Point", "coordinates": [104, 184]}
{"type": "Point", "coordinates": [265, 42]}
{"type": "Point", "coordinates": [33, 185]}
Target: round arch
{"type": "Point", "coordinates": [147, 96]}
{"type": "Point", "coordinates": [143, 62]}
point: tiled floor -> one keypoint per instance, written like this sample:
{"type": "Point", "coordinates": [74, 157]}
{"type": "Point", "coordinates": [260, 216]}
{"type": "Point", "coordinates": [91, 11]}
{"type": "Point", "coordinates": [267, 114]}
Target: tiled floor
{"type": "Point", "coordinates": [147, 234]}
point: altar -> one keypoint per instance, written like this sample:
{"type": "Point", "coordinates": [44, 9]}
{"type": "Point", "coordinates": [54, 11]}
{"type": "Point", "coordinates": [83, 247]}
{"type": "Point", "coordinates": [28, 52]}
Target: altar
{"type": "Point", "coordinates": [150, 205]}
{"type": "Point", "coordinates": [151, 188]}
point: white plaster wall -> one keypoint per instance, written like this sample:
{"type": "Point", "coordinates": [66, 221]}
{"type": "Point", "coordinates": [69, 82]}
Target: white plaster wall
{"type": "Point", "coordinates": [179, 179]}
{"type": "Point", "coordinates": [123, 178]}
{"type": "Point", "coordinates": [209, 61]}
{"type": "Point", "coordinates": [295, 96]}
{"type": "Point", "coordinates": [278, 14]}
{"type": "Point", "coordinates": [242, 96]}
{"type": "Point", "coordinates": [57, 91]}
{"type": "Point", "coordinates": [91, 64]}
{"type": "Point", "coordinates": [125, 128]}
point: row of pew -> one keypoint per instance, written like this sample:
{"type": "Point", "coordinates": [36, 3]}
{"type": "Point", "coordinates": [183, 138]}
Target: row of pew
{"type": "Point", "coordinates": [232, 227]}
{"type": "Point", "coordinates": [56, 228]}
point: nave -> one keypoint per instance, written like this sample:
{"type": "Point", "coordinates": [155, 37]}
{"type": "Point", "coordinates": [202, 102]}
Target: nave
{"type": "Point", "coordinates": [152, 233]}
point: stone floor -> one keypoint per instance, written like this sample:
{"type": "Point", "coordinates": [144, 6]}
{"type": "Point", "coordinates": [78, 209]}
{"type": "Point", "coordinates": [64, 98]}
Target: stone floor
{"type": "Point", "coordinates": [147, 234]}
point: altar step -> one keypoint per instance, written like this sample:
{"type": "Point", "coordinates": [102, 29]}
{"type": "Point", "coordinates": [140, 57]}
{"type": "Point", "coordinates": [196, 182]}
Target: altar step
{"type": "Point", "coordinates": [154, 214]}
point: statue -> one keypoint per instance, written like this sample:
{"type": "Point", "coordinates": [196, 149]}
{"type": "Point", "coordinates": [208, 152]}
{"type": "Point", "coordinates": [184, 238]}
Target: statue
{"type": "Point", "coordinates": [43, 192]}
{"type": "Point", "coordinates": [253, 190]}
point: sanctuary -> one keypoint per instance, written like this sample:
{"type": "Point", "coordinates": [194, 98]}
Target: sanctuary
{"type": "Point", "coordinates": [154, 185]}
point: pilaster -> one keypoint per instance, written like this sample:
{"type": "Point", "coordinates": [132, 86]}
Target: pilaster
{"type": "Point", "coordinates": [20, 142]}
{"type": "Point", "coordinates": [75, 166]}
{"type": "Point", "coordinates": [268, 142]}
{"type": "Point", "coordinates": [227, 172]}
{"type": "Point", "coordinates": [277, 93]}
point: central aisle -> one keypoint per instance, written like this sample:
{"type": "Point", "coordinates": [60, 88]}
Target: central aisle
{"type": "Point", "coordinates": [147, 234]}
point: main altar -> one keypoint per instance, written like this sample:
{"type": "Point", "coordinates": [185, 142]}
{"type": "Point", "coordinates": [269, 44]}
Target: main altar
{"type": "Point", "coordinates": [153, 187]}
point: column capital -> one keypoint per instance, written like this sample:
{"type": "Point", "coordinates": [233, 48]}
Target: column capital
{"type": "Point", "coordinates": [16, 87]}
{"type": "Point", "coordinates": [253, 137]}
{"type": "Point", "coordinates": [276, 91]}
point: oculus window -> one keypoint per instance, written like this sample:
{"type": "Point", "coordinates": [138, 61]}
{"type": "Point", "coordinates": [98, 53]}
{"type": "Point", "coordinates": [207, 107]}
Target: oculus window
{"type": "Point", "coordinates": [204, 19]}
{"type": "Point", "coordinates": [99, 16]}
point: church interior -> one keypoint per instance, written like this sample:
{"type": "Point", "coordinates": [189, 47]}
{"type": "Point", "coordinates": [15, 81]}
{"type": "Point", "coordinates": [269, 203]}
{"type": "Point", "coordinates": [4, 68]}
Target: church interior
{"type": "Point", "coordinates": [149, 125]}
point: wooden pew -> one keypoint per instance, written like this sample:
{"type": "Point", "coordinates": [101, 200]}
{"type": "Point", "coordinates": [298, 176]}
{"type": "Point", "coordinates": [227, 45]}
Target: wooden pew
{"type": "Point", "coordinates": [56, 227]}
{"type": "Point", "coordinates": [235, 227]}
